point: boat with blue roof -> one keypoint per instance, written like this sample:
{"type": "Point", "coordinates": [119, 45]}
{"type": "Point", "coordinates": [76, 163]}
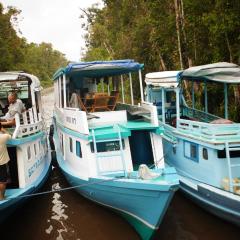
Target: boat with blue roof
{"type": "Point", "coordinates": [30, 158]}
{"type": "Point", "coordinates": [107, 144]}
{"type": "Point", "coordinates": [201, 138]}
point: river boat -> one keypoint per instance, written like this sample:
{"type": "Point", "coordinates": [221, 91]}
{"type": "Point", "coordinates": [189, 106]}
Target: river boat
{"type": "Point", "coordinates": [106, 148]}
{"type": "Point", "coordinates": [30, 159]}
{"type": "Point", "coordinates": [202, 146]}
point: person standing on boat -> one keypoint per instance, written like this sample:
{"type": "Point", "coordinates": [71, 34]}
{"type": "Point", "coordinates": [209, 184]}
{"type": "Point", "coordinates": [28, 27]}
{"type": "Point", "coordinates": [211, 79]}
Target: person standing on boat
{"type": "Point", "coordinates": [4, 159]}
{"type": "Point", "coordinates": [15, 106]}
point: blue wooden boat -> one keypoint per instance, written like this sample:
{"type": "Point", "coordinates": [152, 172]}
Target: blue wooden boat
{"type": "Point", "coordinates": [106, 148]}
{"type": "Point", "coordinates": [203, 147]}
{"type": "Point", "coordinates": [30, 159]}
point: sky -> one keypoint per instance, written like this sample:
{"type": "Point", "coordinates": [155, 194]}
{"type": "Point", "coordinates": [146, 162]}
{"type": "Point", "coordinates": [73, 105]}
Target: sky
{"type": "Point", "coordinates": [53, 21]}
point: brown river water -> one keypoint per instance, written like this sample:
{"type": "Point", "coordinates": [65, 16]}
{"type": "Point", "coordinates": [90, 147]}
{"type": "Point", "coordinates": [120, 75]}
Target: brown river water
{"type": "Point", "coordinates": [68, 216]}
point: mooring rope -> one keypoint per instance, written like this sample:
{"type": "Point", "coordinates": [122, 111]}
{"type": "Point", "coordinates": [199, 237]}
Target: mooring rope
{"type": "Point", "coordinates": [64, 189]}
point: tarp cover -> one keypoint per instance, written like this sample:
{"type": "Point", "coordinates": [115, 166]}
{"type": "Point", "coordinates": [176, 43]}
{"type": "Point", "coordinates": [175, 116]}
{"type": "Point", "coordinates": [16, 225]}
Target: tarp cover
{"type": "Point", "coordinates": [99, 69]}
{"type": "Point", "coordinates": [167, 79]}
{"type": "Point", "coordinates": [13, 76]}
{"type": "Point", "coordinates": [219, 72]}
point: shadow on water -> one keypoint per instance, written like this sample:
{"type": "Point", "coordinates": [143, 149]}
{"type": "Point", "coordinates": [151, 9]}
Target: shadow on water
{"type": "Point", "coordinates": [67, 215]}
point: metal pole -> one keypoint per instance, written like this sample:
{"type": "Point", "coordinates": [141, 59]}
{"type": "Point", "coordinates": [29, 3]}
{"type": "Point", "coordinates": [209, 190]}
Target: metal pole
{"type": "Point", "coordinates": [205, 97]}
{"type": "Point", "coordinates": [193, 99]}
{"type": "Point", "coordinates": [163, 105]}
{"type": "Point", "coordinates": [141, 87]}
{"type": "Point", "coordinates": [226, 100]}
{"type": "Point", "coordinates": [64, 92]}
{"type": "Point", "coordinates": [123, 99]}
{"type": "Point", "coordinates": [131, 88]}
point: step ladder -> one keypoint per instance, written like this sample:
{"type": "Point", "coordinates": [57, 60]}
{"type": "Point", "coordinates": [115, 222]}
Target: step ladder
{"type": "Point", "coordinates": [99, 155]}
{"type": "Point", "coordinates": [230, 165]}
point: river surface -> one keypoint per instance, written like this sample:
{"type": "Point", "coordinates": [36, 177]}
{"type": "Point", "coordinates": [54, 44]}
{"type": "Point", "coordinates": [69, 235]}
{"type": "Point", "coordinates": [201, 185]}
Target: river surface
{"type": "Point", "coordinates": [68, 216]}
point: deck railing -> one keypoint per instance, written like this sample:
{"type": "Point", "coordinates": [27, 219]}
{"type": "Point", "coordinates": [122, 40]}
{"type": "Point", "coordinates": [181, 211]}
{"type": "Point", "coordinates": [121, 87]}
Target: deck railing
{"type": "Point", "coordinates": [199, 115]}
{"type": "Point", "coordinates": [211, 132]}
{"type": "Point", "coordinates": [27, 123]}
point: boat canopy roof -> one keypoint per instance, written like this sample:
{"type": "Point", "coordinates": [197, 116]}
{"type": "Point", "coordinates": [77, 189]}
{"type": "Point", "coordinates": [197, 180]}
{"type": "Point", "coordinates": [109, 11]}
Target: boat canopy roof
{"type": "Point", "coordinates": [218, 72]}
{"type": "Point", "coordinates": [166, 79]}
{"type": "Point", "coordinates": [99, 69]}
{"type": "Point", "coordinates": [20, 76]}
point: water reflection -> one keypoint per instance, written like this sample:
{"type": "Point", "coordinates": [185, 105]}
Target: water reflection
{"type": "Point", "coordinates": [58, 215]}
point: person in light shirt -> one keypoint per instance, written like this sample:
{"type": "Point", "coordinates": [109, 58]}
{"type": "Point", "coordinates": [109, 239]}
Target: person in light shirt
{"type": "Point", "coordinates": [15, 106]}
{"type": "Point", "coordinates": [4, 159]}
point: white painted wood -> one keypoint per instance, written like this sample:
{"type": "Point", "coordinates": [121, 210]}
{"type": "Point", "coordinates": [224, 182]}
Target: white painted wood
{"type": "Point", "coordinates": [131, 88]}
{"type": "Point", "coordinates": [141, 87]}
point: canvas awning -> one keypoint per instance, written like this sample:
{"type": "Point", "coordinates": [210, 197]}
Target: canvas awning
{"type": "Point", "coordinates": [218, 72]}
{"type": "Point", "coordinates": [99, 69]}
{"type": "Point", "coordinates": [166, 79]}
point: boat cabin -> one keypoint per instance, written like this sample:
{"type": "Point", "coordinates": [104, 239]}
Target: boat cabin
{"type": "Point", "coordinates": [98, 109]}
{"type": "Point", "coordinates": [27, 144]}
{"type": "Point", "coordinates": [198, 107]}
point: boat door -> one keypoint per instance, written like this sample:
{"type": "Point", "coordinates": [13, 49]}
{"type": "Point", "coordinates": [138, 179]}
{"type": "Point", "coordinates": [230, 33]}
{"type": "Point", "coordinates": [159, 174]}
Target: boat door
{"type": "Point", "coordinates": [13, 168]}
{"type": "Point", "coordinates": [141, 148]}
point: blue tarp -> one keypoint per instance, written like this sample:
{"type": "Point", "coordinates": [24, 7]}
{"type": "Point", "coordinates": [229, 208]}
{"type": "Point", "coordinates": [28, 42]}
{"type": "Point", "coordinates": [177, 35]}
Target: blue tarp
{"type": "Point", "coordinates": [98, 69]}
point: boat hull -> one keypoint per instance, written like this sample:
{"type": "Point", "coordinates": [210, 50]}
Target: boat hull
{"type": "Point", "coordinates": [221, 203]}
{"type": "Point", "coordinates": [216, 201]}
{"type": "Point", "coordinates": [15, 197]}
{"type": "Point", "coordinates": [143, 208]}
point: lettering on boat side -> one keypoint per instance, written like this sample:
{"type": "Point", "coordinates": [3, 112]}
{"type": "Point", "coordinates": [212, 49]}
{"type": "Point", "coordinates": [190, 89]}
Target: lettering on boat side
{"type": "Point", "coordinates": [71, 120]}
{"type": "Point", "coordinates": [32, 169]}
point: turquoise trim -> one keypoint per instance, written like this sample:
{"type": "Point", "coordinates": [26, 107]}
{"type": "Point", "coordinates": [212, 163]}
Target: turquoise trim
{"type": "Point", "coordinates": [109, 131]}
{"type": "Point", "coordinates": [71, 132]}
{"type": "Point", "coordinates": [20, 141]}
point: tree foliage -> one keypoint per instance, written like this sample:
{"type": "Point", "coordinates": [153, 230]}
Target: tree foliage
{"type": "Point", "coordinates": [164, 34]}
{"type": "Point", "coordinates": [16, 54]}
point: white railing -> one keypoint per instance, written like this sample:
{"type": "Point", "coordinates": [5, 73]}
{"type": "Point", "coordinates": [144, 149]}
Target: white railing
{"type": "Point", "coordinates": [212, 132]}
{"type": "Point", "coordinates": [27, 123]}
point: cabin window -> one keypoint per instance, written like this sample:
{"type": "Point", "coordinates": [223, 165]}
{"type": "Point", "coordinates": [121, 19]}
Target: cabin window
{"type": "Point", "coordinates": [62, 145]}
{"type": "Point", "coordinates": [174, 149]}
{"type": "Point", "coordinates": [29, 152]}
{"type": "Point", "coordinates": [78, 149]}
{"type": "Point", "coordinates": [70, 144]}
{"type": "Point", "coordinates": [205, 154]}
{"type": "Point", "coordinates": [107, 146]}
{"type": "Point", "coordinates": [35, 148]}
{"type": "Point", "coordinates": [191, 151]}
{"type": "Point", "coordinates": [232, 154]}
{"type": "Point", "coordinates": [39, 145]}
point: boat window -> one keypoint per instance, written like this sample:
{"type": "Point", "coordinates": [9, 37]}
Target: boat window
{"type": "Point", "coordinates": [174, 149]}
{"type": "Point", "coordinates": [107, 146]}
{"type": "Point", "coordinates": [35, 148]}
{"type": "Point", "coordinates": [205, 154]}
{"type": "Point", "coordinates": [29, 152]}
{"type": "Point", "coordinates": [233, 154]}
{"type": "Point", "coordinates": [78, 149]}
{"type": "Point", "coordinates": [191, 151]}
{"type": "Point", "coordinates": [70, 144]}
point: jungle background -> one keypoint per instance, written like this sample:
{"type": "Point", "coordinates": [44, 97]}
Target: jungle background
{"type": "Point", "coordinates": [162, 34]}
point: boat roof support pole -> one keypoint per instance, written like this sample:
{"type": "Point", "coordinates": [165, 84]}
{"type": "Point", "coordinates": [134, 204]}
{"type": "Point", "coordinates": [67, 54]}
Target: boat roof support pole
{"type": "Point", "coordinates": [123, 98]}
{"type": "Point", "coordinates": [141, 87]}
{"type": "Point", "coordinates": [163, 105]}
{"type": "Point", "coordinates": [178, 103]}
{"type": "Point", "coordinates": [193, 98]}
{"type": "Point", "coordinates": [108, 87]}
{"type": "Point", "coordinates": [60, 91]}
{"type": "Point", "coordinates": [131, 88]}
{"type": "Point", "coordinates": [102, 83]}
{"type": "Point", "coordinates": [64, 91]}
{"type": "Point", "coordinates": [205, 97]}
{"type": "Point", "coordinates": [225, 101]}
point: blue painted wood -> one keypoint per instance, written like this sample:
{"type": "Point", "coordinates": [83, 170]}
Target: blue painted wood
{"type": "Point", "coordinates": [15, 197]}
